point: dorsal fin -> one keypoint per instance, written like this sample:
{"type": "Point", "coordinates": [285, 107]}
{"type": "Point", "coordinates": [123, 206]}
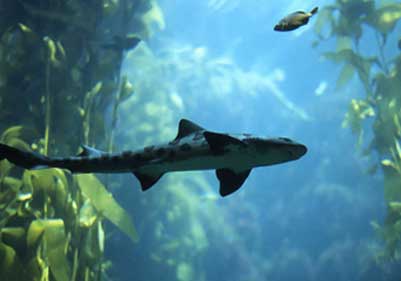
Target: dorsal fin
{"type": "Point", "coordinates": [88, 151]}
{"type": "Point", "coordinates": [186, 127]}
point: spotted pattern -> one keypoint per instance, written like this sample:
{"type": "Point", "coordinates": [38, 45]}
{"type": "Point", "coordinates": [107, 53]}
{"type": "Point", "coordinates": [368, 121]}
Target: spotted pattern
{"type": "Point", "coordinates": [161, 151]}
{"type": "Point", "coordinates": [174, 142]}
{"type": "Point", "coordinates": [198, 136]}
{"type": "Point", "coordinates": [185, 147]}
{"type": "Point", "coordinates": [171, 154]}
{"type": "Point", "coordinates": [103, 158]}
{"type": "Point", "coordinates": [138, 157]}
{"type": "Point", "coordinates": [116, 158]}
{"type": "Point", "coordinates": [126, 153]}
{"type": "Point", "coordinates": [149, 149]}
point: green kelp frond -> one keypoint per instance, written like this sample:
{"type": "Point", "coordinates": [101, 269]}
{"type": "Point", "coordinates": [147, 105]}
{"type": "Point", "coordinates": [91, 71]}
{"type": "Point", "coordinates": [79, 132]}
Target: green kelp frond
{"type": "Point", "coordinates": [105, 204]}
{"type": "Point", "coordinates": [380, 75]}
{"type": "Point", "coordinates": [389, 232]}
{"type": "Point", "coordinates": [11, 133]}
{"type": "Point", "coordinates": [93, 244]}
{"type": "Point", "coordinates": [153, 16]}
{"type": "Point", "coordinates": [55, 50]}
{"type": "Point", "coordinates": [10, 264]}
{"type": "Point", "coordinates": [53, 64]}
{"type": "Point", "coordinates": [50, 190]}
{"type": "Point", "coordinates": [395, 163]}
{"type": "Point", "coordinates": [87, 214]}
{"type": "Point", "coordinates": [362, 65]}
{"type": "Point", "coordinates": [13, 137]}
{"type": "Point", "coordinates": [50, 235]}
{"type": "Point", "coordinates": [358, 111]}
{"type": "Point", "coordinates": [385, 18]}
{"type": "Point", "coordinates": [395, 206]}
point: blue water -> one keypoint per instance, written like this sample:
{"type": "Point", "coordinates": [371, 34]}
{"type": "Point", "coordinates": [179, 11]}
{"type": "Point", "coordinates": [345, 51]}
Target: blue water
{"type": "Point", "coordinates": [220, 64]}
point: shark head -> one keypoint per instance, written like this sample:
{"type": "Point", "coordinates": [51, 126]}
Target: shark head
{"type": "Point", "coordinates": [270, 151]}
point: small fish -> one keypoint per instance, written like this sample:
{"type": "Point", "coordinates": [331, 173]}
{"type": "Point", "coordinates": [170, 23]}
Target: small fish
{"type": "Point", "coordinates": [294, 20]}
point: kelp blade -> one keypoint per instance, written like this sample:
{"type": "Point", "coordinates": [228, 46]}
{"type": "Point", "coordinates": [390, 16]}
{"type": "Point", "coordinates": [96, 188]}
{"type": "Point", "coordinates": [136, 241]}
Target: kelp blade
{"type": "Point", "coordinates": [106, 205]}
{"type": "Point", "coordinates": [56, 241]}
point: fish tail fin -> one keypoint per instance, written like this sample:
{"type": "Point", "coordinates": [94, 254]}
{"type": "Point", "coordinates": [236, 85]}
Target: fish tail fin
{"type": "Point", "coordinates": [314, 10]}
{"type": "Point", "coordinates": [25, 159]}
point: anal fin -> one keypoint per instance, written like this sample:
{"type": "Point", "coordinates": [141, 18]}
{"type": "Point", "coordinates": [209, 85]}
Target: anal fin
{"type": "Point", "coordinates": [231, 181]}
{"type": "Point", "coordinates": [147, 180]}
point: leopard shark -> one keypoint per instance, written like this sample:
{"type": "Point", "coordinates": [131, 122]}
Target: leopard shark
{"type": "Point", "coordinates": [232, 156]}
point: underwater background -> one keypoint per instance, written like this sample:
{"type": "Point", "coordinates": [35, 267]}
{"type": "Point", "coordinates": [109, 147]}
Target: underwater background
{"type": "Point", "coordinates": [333, 85]}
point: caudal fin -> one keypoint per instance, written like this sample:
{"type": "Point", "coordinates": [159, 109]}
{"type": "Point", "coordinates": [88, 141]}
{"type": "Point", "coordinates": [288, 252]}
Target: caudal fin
{"type": "Point", "coordinates": [24, 159]}
{"type": "Point", "coordinates": [314, 10]}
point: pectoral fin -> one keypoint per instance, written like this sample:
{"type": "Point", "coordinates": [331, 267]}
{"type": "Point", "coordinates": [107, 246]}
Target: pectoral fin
{"type": "Point", "coordinates": [231, 181]}
{"type": "Point", "coordinates": [147, 180]}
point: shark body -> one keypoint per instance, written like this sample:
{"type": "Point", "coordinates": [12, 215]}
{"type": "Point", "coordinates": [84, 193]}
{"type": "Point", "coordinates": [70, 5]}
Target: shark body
{"type": "Point", "coordinates": [194, 148]}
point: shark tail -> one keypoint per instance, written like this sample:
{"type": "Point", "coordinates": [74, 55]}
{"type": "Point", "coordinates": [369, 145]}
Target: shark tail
{"type": "Point", "coordinates": [314, 10]}
{"type": "Point", "coordinates": [25, 159]}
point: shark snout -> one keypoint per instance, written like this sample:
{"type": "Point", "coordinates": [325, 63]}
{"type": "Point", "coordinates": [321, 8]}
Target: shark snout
{"type": "Point", "coordinates": [300, 151]}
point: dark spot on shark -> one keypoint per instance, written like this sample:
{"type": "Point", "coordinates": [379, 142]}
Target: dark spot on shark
{"type": "Point", "coordinates": [185, 147]}
{"type": "Point", "coordinates": [171, 154]}
{"type": "Point", "coordinates": [161, 151]}
{"type": "Point", "coordinates": [174, 142]}
{"type": "Point", "coordinates": [198, 136]}
{"type": "Point", "coordinates": [117, 158]}
{"type": "Point", "coordinates": [65, 160]}
{"type": "Point", "coordinates": [138, 157]}
{"type": "Point", "coordinates": [149, 148]}
{"type": "Point", "coordinates": [94, 159]}
{"type": "Point", "coordinates": [103, 158]}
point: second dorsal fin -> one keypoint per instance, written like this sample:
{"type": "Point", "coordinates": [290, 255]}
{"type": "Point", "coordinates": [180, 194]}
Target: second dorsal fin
{"type": "Point", "coordinates": [88, 151]}
{"type": "Point", "coordinates": [186, 127]}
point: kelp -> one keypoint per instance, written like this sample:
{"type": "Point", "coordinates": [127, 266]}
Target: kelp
{"type": "Point", "coordinates": [105, 204]}
{"type": "Point", "coordinates": [44, 216]}
{"type": "Point", "coordinates": [347, 21]}
{"type": "Point", "coordinates": [58, 78]}
{"type": "Point", "coordinates": [53, 239]}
